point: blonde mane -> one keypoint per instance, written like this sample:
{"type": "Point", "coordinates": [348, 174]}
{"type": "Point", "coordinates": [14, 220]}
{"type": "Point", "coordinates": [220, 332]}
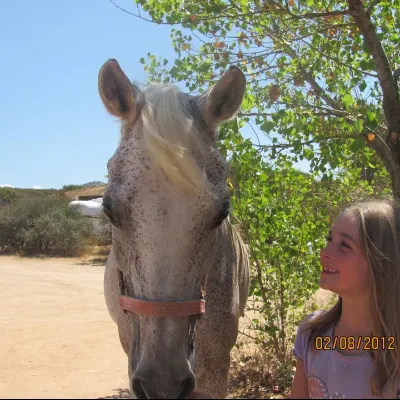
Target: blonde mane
{"type": "Point", "coordinates": [171, 138]}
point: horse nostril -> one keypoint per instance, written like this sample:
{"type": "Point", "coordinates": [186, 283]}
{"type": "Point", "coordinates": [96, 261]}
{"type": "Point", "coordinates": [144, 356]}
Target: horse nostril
{"type": "Point", "coordinates": [137, 386]}
{"type": "Point", "coordinates": [188, 386]}
{"type": "Point", "coordinates": [147, 390]}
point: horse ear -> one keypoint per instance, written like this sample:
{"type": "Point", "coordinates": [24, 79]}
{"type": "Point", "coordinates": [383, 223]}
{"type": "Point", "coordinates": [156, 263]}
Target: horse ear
{"type": "Point", "coordinates": [116, 91]}
{"type": "Point", "coordinates": [226, 96]}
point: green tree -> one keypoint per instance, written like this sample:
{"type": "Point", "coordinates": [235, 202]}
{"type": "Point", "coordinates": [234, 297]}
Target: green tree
{"type": "Point", "coordinates": [284, 216]}
{"type": "Point", "coordinates": [321, 74]}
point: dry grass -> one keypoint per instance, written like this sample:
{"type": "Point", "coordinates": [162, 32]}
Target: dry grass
{"type": "Point", "coordinates": [95, 255]}
{"type": "Point", "coordinates": [90, 191]}
{"type": "Point", "coordinates": [253, 376]}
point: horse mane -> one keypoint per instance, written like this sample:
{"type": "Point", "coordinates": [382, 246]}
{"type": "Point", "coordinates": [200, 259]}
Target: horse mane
{"type": "Point", "coordinates": [242, 254]}
{"type": "Point", "coordinates": [171, 137]}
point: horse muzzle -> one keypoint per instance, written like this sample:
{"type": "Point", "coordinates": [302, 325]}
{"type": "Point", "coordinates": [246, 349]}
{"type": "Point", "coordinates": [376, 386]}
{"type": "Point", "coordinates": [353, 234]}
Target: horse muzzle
{"type": "Point", "coordinates": [163, 382]}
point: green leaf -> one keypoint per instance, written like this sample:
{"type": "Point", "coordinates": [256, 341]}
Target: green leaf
{"type": "Point", "coordinates": [248, 102]}
{"type": "Point", "coordinates": [357, 144]}
{"type": "Point", "coordinates": [371, 116]}
{"type": "Point", "coordinates": [267, 126]}
{"type": "Point", "coordinates": [308, 154]}
{"type": "Point", "coordinates": [358, 125]}
{"type": "Point", "coordinates": [347, 100]}
{"type": "Point", "coordinates": [363, 86]}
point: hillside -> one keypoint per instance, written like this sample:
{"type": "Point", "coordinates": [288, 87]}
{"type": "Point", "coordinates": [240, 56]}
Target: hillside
{"type": "Point", "coordinates": [93, 184]}
{"type": "Point", "coordinates": [86, 191]}
{"type": "Point", "coordinates": [8, 195]}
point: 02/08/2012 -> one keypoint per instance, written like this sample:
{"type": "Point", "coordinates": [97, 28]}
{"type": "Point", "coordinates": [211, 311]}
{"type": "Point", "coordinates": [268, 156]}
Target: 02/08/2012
{"type": "Point", "coordinates": [354, 343]}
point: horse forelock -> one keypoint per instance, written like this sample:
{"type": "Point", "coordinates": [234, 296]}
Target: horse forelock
{"type": "Point", "coordinates": [171, 135]}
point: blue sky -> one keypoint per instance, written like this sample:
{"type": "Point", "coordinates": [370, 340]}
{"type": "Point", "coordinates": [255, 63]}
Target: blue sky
{"type": "Point", "coordinates": [54, 130]}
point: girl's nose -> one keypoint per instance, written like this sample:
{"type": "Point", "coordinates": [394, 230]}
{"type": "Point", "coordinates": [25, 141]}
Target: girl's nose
{"type": "Point", "coordinates": [325, 254]}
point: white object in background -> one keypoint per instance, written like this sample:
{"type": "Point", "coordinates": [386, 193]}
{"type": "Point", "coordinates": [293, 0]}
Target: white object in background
{"type": "Point", "coordinates": [89, 208]}
{"type": "Point", "coordinates": [99, 200]}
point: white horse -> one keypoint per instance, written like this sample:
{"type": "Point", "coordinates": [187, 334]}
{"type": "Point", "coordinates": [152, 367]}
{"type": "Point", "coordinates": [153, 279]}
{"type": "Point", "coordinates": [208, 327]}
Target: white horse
{"type": "Point", "coordinates": [168, 202]}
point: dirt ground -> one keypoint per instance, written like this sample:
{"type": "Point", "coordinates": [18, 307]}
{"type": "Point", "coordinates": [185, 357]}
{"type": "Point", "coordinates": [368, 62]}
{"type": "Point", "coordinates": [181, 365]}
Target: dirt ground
{"type": "Point", "coordinates": [56, 337]}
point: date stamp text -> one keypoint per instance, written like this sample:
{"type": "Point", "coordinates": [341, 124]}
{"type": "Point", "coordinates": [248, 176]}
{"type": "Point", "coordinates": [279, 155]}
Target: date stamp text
{"type": "Point", "coordinates": [354, 343]}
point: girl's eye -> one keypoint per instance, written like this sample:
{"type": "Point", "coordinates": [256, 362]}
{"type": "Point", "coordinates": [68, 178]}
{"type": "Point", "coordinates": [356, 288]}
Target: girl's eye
{"type": "Point", "coordinates": [329, 239]}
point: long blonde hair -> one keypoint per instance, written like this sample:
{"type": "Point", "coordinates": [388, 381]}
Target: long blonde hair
{"type": "Point", "coordinates": [379, 226]}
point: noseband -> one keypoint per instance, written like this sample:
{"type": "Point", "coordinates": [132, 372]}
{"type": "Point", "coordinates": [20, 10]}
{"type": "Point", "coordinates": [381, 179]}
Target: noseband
{"type": "Point", "coordinates": [171, 309]}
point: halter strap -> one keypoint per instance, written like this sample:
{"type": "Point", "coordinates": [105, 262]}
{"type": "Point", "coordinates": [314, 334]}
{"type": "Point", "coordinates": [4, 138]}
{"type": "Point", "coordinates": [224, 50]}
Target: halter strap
{"type": "Point", "coordinates": [172, 309]}
{"type": "Point", "coordinates": [162, 309]}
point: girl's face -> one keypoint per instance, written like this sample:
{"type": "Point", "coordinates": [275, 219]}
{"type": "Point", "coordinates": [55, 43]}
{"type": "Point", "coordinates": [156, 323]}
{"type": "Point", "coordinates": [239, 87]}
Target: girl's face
{"type": "Point", "coordinates": [345, 269]}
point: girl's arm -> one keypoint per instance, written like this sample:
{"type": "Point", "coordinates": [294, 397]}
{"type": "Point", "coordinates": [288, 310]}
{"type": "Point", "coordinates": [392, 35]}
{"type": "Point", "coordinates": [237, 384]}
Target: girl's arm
{"type": "Point", "coordinates": [300, 383]}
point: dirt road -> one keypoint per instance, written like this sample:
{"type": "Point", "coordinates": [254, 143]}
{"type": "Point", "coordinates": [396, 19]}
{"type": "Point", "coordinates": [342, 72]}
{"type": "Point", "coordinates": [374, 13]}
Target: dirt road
{"type": "Point", "coordinates": [56, 337]}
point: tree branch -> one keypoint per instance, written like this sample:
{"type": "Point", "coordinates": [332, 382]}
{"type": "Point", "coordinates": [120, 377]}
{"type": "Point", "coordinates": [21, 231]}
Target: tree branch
{"type": "Point", "coordinates": [256, 339]}
{"type": "Point", "coordinates": [328, 57]}
{"type": "Point", "coordinates": [325, 28]}
{"type": "Point", "coordinates": [391, 103]}
{"type": "Point", "coordinates": [313, 83]}
{"type": "Point", "coordinates": [281, 145]}
{"type": "Point", "coordinates": [307, 75]}
{"type": "Point", "coordinates": [189, 21]}
{"type": "Point", "coordinates": [312, 15]}
{"type": "Point", "coordinates": [372, 5]}
{"type": "Point", "coordinates": [305, 143]}
{"type": "Point", "coordinates": [333, 113]}
{"type": "Point", "coordinates": [320, 15]}
{"type": "Point", "coordinates": [384, 152]}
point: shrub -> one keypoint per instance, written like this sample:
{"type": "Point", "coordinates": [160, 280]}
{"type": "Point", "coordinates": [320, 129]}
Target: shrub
{"type": "Point", "coordinates": [103, 231]}
{"type": "Point", "coordinates": [8, 195]}
{"type": "Point", "coordinates": [71, 187]}
{"type": "Point", "coordinates": [43, 226]}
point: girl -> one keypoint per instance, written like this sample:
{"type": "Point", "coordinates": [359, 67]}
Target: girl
{"type": "Point", "coordinates": [353, 350]}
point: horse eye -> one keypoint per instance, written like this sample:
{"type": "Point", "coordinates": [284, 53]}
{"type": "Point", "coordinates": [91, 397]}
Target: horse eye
{"type": "Point", "coordinates": [107, 210]}
{"type": "Point", "coordinates": [222, 215]}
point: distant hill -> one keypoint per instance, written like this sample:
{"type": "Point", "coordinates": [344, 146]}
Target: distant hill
{"type": "Point", "coordinates": [97, 191]}
{"type": "Point", "coordinates": [9, 195]}
{"type": "Point", "coordinates": [93, 184]}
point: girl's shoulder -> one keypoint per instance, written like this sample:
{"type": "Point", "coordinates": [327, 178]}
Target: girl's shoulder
{"type": "Point", "coordinates": [313, 315]}
{"type": "Point", "coordinates": [302, 339]}
{"type": "Point", "coordinates": [309, 319]}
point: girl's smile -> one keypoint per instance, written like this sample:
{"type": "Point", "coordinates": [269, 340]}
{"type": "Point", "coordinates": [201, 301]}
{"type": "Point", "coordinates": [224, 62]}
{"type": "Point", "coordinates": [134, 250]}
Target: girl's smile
{"type": "Point", "coordinates": [344, 266]}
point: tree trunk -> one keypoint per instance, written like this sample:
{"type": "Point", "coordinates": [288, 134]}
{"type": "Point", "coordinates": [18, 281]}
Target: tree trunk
{"type": "Point", "coordinates": [396, 182]}
{"type": "Point", "coordinates": [388, 148]}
